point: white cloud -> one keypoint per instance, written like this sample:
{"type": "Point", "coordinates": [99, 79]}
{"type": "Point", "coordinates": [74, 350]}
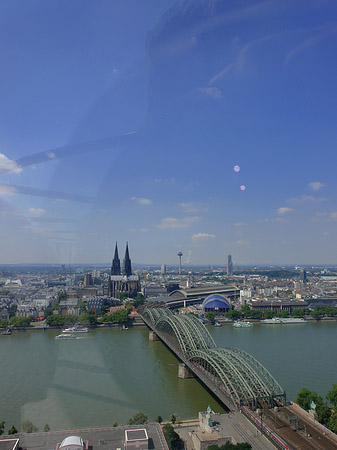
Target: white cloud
{"type": "Point", "coordinates": [174, 223]}
{"type": "Point", "coordinates": [192, 207]}
{"type": "Point", "coordinates": [144, 230]}
{"type": "Point", "coordinates": [212, 92]}
{"type": "Point", "coordinates": [240, 224]}
{"type": "Point", "coordinates": [308, 198]}
{"type": "Point", "coordinates": [202, 237]}
{"type": "Point", "coordinates": [284, 210]}
{"type": "Point", "coordinates": [142, 200]}
{"type": "Point", "coordinates": [37, 211]}
{"type": "Point", "coordinates": [316, 185]}
{"type": "Point", "coordinates": [9, 165]}
{"type": "Point", "coordinates": [4, 189]}
{"type": "Point", "coordinates": [51, 155]}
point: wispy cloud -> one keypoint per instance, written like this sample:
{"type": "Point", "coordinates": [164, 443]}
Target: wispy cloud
{"type": "Point", "coordinates": [308, 198]}
{"type": "Point", "coordinates": [240, 224]}
{"type": "Point", "coordinates": [316, 185]}
{"type": "Point", "coordinates": [173, 223]}
{"type": "Point", "coordinates": [211, 92]}
{"type": "Point", "coordinates": [5, 189]}
{"type": "Point", "coordinates": [197, 237]}
{"type": "Point", "coordinates": [193, 207]}
{"type": "Point", "coordinates": [8, 165]}
{"type": "Point", "coordinates": [142, 200]}
{"type": "Point", "coordinates": [238, 63]}
{"type": "Point", "coordinates": [284, 210]}
{"type": "Point", "coordinates": [324, 32]}
{"type": "Point", "coordinates": [37, 211]}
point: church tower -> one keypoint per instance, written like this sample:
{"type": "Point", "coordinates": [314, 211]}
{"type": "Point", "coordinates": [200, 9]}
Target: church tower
{"type": "Point", "coordinates": [116, 264]}
{"type": "Point", "coordinates": [127, 263]}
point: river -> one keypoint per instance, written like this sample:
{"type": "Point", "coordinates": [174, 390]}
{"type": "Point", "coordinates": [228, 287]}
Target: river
{"type": "Point", "coordinates": [108, 375]}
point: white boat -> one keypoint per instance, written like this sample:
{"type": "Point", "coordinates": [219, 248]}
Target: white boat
{"type": "Point", "coordinates": [242, 324]}
{"type": "Point", "coordinates": [217, 324]}
{"type": "Point", "coordinates": [76, 329]}
{"type": "Point", "coordinates": [274, 320]}
{"type": "Point", "coordinates": [293, 320]}
{"type": "Point", "coordinates": [65, 336]}
{"type": "Point", "coordinates": [283, 320]}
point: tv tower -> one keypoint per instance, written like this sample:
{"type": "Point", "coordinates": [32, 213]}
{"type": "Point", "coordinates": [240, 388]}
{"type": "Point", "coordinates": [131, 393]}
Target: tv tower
{"type": "Point", "coordinates": [180, 255]}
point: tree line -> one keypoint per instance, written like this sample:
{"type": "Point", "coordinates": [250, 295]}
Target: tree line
{"type": "Point", "coordinates": [326, 415]}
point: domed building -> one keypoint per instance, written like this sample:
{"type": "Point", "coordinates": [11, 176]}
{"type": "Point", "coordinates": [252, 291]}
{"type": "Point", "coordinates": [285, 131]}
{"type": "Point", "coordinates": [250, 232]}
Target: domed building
{"type": "Point", "coordinates": [216, 303]}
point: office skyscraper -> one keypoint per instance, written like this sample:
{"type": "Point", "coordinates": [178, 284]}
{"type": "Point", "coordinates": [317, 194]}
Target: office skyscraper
{"type": "Point", "coordinates": [229, 265]}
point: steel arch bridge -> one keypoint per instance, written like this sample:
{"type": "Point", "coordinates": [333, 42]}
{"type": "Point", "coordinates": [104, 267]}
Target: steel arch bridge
{"type": "Point", "coordinates": [231, 371]}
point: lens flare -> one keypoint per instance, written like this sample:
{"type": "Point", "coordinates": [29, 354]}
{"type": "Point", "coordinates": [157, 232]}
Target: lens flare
{"type": "Point", "coordinates": [243, 187]}
{"type": "Point", "coordinates": [236, 168]}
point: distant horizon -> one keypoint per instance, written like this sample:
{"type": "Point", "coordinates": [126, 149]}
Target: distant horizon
{"type": "Point", "coordinates": [236, 266]}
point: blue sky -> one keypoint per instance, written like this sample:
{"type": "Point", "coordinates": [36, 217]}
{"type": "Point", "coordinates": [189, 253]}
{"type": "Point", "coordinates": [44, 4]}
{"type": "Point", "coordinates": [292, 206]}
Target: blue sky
{"type": "Point", "coordinates": [123, 121]}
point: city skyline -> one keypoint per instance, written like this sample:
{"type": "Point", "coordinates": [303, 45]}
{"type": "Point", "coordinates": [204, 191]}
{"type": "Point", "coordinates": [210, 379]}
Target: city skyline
{"type": "Point", "coordinates": [205, 127]}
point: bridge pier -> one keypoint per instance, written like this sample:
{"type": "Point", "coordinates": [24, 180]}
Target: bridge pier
{"type": "Point", "coordinates": [153, 336]}
{"type": "Point", "coordinates": [184, 372]}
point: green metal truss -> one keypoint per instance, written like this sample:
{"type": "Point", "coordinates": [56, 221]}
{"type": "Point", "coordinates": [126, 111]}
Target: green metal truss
{"type": "Point", "coordinates": [237, 373]}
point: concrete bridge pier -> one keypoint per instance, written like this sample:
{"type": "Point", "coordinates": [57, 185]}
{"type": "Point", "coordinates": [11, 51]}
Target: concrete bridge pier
{"type": "Point", "coordinates": [184, 372]}
{"type": "Point", "coordinates": [153, 336]}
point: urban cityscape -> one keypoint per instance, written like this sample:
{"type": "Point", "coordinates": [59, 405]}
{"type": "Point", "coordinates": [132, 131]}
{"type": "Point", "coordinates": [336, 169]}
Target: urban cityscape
{"type": "Point", "coordinates": [70, 303]}
{"type": "Point", "coordinates": [168, 239]}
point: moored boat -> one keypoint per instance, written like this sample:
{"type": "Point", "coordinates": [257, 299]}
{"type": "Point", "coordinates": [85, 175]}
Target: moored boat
{"type": "Point", "coordinates": [76, 329]}
{"type": "Point", "coordinates": [242, 324]}
{"type": "Point", "coordinates": [7, 332]}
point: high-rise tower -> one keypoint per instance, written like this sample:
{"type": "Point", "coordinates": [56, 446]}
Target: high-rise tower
{"type": "Point", "coordinates": [116, 264]}
{"type": "Point", "coordinates": [127, 262]}
{"type": "Point", "coordinates": [180, 255]}
{"type": "Point", "coordinates": [229, 265]}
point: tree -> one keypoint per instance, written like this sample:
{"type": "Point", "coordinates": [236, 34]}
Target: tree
{"type": "Point", "coordinates": [138, 419]}
{"type": "Point", "coordinates": [305, 397]}
{"type": "Point", "coordinates": [12, 430]}
{"type": "Point", "coordinates": [88, 318]}
{"type": "Point", "coordinates": [2, 427]}
{"type": "Point", "coordinates": [123, 296]}
{"type": "Point", "coordinates": [323, 414]}
{"type": "Point", "coordinates": [159, 419]}
{"type": "Point", "coordinates": [173, 418]}
{"type": "Point", "coordinates": [28, 427]}
{"type": "Point", "coordinates": [20, 322]}
{"type": "Point", "coordinates": [119, 316]}
{"type": "Point", "coordinates": [139, 299]}
{"type": "Point", "coordinates": [56, 320]}
{"type": "Point", "coordinates": [115, 424]}
{"type": "Point", "coordinates": [210, 316]}
{"type": "Point", "coordinates": [3, 323]}
{"type": "Point", "coordinates": [172, 438]}
{"type": "Point", "coordinates": [332, 395]}
{"type": "Point", "coordinates": [62, 296]}
{"type": "Point", "coordinates": [46, 428]}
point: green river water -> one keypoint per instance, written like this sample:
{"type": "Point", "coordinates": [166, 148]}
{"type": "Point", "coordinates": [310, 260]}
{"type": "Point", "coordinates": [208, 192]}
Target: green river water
{"type": "Point", "coordinates": [109, 375]}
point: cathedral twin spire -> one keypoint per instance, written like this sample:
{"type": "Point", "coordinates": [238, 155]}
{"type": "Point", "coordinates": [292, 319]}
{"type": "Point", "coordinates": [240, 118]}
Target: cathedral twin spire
{"type": "Point", "coordinates": [116, 264]}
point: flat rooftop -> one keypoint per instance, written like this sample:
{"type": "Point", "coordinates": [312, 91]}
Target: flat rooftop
{"type": "Point", "coordinates": [136, 435]}
{"type": "Point", "coordinates": [9, 444]}
{"type": "Point", "coordinates": [108, 438]}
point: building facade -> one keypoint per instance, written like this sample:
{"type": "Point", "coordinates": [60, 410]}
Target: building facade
{"type": "Point", "coordinates": [123, 281]}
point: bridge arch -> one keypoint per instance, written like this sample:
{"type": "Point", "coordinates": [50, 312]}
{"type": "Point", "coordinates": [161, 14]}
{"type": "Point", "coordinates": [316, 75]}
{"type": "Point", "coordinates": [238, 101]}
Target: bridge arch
{"type": "Point", "coordinates": [242, 378]}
